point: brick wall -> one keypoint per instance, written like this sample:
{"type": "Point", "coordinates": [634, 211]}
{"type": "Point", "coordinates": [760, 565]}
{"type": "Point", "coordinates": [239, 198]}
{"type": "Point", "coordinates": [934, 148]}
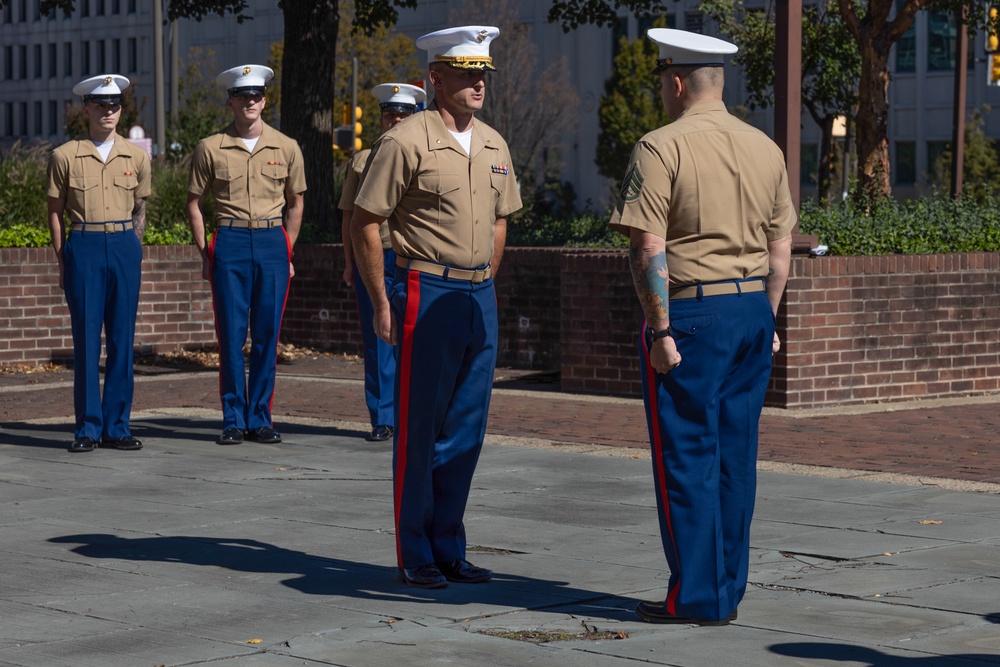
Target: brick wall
{"type": "Point", "coordinates": [855, 329]}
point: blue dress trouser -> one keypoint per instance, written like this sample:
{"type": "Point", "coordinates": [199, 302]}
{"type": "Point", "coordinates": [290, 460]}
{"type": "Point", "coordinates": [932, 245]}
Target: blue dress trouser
{"type": "Point", "coordinates": [102, 279]}
{"type": "Point", "coordinates": [380, 356]}
{"type": "Point", "coordinates": [250, 274]}
{"type": "Point", "coordinates": [703, 418]}
{"type": "Point", "coordinates": [447, 352]}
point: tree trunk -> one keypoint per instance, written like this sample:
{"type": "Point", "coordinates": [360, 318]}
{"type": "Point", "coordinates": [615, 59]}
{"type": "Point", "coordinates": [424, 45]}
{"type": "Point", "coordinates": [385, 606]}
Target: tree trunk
{"type": "Point", "coordinates": [873, 121]}
{"type": "Point", "coordinates": [307, 69]}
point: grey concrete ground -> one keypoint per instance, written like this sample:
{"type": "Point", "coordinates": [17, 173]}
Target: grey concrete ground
{"type": "Point", "coordinates": [187, 553]}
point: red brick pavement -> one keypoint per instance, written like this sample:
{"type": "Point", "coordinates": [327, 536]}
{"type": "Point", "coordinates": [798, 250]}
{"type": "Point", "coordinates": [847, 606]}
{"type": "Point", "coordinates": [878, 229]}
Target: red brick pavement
{"type": "Point", "coordinates": [956, 441]}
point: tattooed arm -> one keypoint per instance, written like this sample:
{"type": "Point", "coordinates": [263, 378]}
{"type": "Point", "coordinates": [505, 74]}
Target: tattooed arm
{"type": "Point", "coordinates": [139, 218]}
{"type": "Point", "coordinates": [648, 261]}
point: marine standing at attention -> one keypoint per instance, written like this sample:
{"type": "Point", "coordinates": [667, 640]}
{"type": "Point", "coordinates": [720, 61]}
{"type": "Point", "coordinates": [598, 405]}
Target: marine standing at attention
{"type": "Point", "coordinates": [256, 176]}
{"type": "Point", "coordinates": [397, 101]}
{"type": "Point", "coordinates": [444, 181]}
{"type": "Point", "coordinates": [708, 213]}
{"type": "Point", "coordinates": [100, 183]}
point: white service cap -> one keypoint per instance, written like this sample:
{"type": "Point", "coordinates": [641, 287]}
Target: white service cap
{"type": "Point", "coordinates": [464, 47]}
{"type": "Point", "coordinates": [246, 79]}
{"type": "Point", "coordinates": [398, 96]}
{"type": "Point", "coordinates": [105, 88]}
{"type": "Point", "coordinates": [680, 47]}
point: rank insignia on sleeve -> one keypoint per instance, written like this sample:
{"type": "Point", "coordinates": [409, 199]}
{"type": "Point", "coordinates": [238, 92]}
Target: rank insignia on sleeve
{"type": "Point", "coordinates": [632, 187]}
{"type": "Point", "coordinates": [500, 169]}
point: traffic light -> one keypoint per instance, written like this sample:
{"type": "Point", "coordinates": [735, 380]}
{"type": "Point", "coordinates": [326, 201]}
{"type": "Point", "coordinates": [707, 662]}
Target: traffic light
{"type": "Point", "coordinates": [347, 137]}
{"type": "Point", "coordinates": [993, 46]}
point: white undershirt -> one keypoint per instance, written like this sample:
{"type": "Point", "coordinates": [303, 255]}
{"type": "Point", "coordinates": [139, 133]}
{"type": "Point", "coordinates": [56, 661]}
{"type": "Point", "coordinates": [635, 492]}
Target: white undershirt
{"type": "Point", "coordinates": [250, 143]}
{"type": "Point", "coordinates": [104, 148]}
{"type": "Point", "coordinates": [465, 139]}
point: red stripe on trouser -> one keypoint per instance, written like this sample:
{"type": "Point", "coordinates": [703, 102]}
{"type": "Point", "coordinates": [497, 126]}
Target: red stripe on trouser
{"type": "Point", "coordinates": [277, 335]}
{"type": "Point", "coordinates": [661, 476]}
{"type": "Point", "coordinates": [210, 247]}
{"type": "Point", "coordinates": [403, 370]}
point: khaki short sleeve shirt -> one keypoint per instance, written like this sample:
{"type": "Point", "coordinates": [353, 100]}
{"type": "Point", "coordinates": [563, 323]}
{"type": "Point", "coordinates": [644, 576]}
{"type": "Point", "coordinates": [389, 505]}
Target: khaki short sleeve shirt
{"type": "Point", "coordinates": [714, 188]}
{"type": "Point", "coordinates": [441, 203]}
{"type": "Point", "coordinates": [92, 190]}
{"type": "Point", "coordinates": [245, 185]}
{"type": "Point", "coordinates": [352, 178]}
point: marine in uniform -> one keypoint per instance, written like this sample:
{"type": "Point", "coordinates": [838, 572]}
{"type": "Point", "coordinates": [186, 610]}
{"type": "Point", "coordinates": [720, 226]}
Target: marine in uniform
{"type": "Point", "coordinates": [707, 209]}
{"type": "Point", "coordinates": [396, 102]}
{"type": "Point", "coordinates": [100, 183]}
{"type": "Point", "coordinates": [257, 179]}
{"type": "Point", "coordinates": [444, 181]}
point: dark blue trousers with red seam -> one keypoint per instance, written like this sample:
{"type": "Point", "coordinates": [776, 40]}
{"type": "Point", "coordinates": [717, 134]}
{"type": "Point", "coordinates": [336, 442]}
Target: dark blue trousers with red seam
{"type": "Point", "coordinates": [250, 274]}
{"type": "Point", "coordinates": [102, 278]}
{"type": "Point", "coordinates": [380, 356]}
{"type": "Point", "coordinates": [446, 356]}
{"type": "Point", "coordinates": [703, 418]}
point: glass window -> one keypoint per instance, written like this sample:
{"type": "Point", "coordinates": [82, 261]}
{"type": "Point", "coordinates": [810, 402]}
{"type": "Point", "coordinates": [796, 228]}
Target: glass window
{"type": "Point", "coordinates": [38, 10]}
{"type": "Point", "coordinates": [101, 62]}
{"type": "Point", "coordinates": [8, 13]}
{"type": "Point", "coordinates": [24, 117]}
{"type": "Point", "coordinates": [67, 59]}
{"type": "Point", "coordinates": [809, 164]}
{"type": "Point", "coordinates": [8, 62]}
{"type": "Point", "coordinates": [116, 55]}
{"type": "Point", "coordinates": [53, 58]}
{"type": "Point", "coordinates": [906, 51]}
{"type": "Point", "coordinates": [23, 13]}
{"type": "Point", "coordinates": [38, 118]}
{"type": "Point", "coordinates": [132, 55]}
{"type": "Point", "coordinates": [22, 65]}
{"type": "Point", "coordinates": [53, 118]}
{"type": "Point", "coordinates": [84, 7]}
{"type": "Point", "coordinates": [934, 151]}
{"type": "Point", "coordinates": [36, 51]}
{"type": "Point", "coordinates": [940, 41]}
{"type": "Point", "coordinates": [100, 7]}
{"type": "Point", "coordinates": [131, 6]}
{"type": "Point", "coordinates": [116, 6]}
{"type": "Point", "coordinates": [904, 171]}
{"type": "Point", "coordinates": [85, 58]}
{"type": "Point", "coordinates": [8, 120]}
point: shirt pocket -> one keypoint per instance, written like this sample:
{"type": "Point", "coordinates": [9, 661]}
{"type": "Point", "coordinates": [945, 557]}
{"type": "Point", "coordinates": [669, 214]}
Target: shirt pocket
{"type": "Point", "coordinates": [124, 192]}
{"type": "Point", "coordinates": [230, 183]}
{"type": "Point", "coordinates": [273, 177]}
{"type": "Point", "coordinates": [84, 196]}
{"type": "Point", "coordinates": [440, 191]}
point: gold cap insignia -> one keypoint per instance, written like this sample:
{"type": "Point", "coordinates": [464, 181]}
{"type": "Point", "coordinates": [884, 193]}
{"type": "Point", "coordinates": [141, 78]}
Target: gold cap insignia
{"type": "Point", "coordinates": [107, 81]}
{"type": "Point", "coordinates": [395, 89]}
{"type": "Point", "coordinates": [247, 70]}
{"type": "Point", "coordinates": [483, 34]}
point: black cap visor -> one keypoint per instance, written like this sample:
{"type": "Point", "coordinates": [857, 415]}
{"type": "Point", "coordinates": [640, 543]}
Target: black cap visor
{"type": "Point", "coordinates": [112, 100]}
{"type": "Point", "coordinates": [246, 90]}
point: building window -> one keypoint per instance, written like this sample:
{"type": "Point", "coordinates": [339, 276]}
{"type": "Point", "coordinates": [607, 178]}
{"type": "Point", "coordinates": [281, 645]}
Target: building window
{"type": "Point", "coordinates": [935, 149]}
{"type": "Point", "coordinates": [53, 118]}
{"type": "Point", "coordinates": [100, 7]}
{"type": "Point", "coordinates": [116, 55]}
{"type": "Point", "coordinates": [131, 6]}
{"type": "Point", "coordinates": [67, 59]}
{"type": "Point", "coordinates": [38, 119]}
{"type": "Point", "coordinates": [133, 55]}
{"type": "Point", "coordinates": [84, 7]}
{"type": "Point", "coordinates": [23, 11]}
{"type": "Point", "coordinates": [22, 65]}
{"type": "Point", "coordinates": [8, 62]}
{"type": "Point", "coordinates": [38, 10]}
{"type": "Point", "coordinates": [24, 117]}
{"type": "Point", "coordinates": [53, 57]}
{"type": "Point", "coordinates": [8, 120]}
{"type": "Point", "coordinates": [809, 164]}
{"type": "Point", "coordinates": [906, 51]}
{"type": "Point", "coordinates": [101, 62]}
{"type": "Point", "coordinates": [37, 52]}
{"type": "Point", "coordinates": [116, 7]}
{"type": "Point", "coordinates": [8, 13]}
{"type": "Point", "coordinates": [694, 22]}
{"type": "Point", "coordinates": [904, 172]}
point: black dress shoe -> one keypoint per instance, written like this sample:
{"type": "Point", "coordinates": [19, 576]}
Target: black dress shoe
{"type": "Point", "coordinates": [264, 434]}
{"type": "Point", "coordinates": [127, 443]}
{"type": "Point", "coordinates": [656, 612]}
{"type": "Point", "coordinates": [83, 444]}
{"type": "Point", "coordinates": [462, 571]}
{"type": "Point", "coordinates": [231, 436]}
{"type": "Point", "coordinates": [423, 576]}
{"type": "Point", "coordinates": [379, 433]}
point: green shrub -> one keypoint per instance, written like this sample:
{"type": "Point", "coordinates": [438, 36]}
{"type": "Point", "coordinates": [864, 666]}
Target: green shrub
{"type": "Point", "coordinates": [22, 187]}
{"type": "Point", "coordinates": [21, 235]}
{"type": "Point", "coordinates": [913, 227]}
{"type": "Point", "coordinates": [166, 220]}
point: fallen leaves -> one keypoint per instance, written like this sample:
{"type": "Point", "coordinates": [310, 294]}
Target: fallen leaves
{"type": "Point", "coordinates": [931, 522]}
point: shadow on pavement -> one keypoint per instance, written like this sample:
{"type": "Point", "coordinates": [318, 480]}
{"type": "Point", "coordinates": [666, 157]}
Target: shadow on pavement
{"type": "Point", "coordinates": [869, 657]}
{"type": "Point", "coordinates": [316, 575]}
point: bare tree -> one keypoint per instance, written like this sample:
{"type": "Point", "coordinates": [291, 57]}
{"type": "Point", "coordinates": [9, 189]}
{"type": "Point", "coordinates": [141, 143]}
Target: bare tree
{"type": "Point", "coordinates": [533, 107]}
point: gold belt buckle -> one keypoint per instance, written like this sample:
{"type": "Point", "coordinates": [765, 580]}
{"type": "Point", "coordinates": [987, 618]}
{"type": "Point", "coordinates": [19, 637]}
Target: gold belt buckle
{"type": "Point", "coordinates": [109, 227]}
